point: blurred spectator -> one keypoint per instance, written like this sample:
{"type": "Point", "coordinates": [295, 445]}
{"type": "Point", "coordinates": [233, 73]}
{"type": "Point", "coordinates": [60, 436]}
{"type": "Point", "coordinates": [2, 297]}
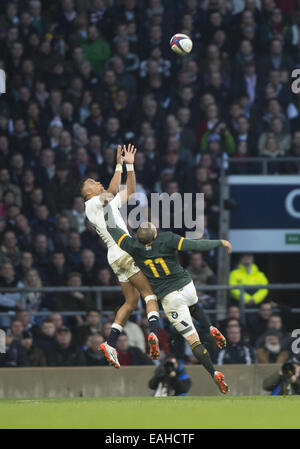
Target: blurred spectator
{"type": "Point", "coordinates": [170, 379]}
{"type": "Point", "coordinates": [95, 49]}
{"type": "Point", "coordinates": [233, 313]}
{"type": "Point", "coordinates": [135, 336]}
{"type": "Point", "coordinates": [93, 356]}
{"type": "Point", "coordinates": [16, 329]}
{"type": "Point", "coordinates": [285, 381]}
{"type": "Point", "coordinates": [92, 326]}
{"type": "Point", "coordinates": [271, 349]}
{"type": "Point", "coordinates": [130, 355]}
{"type": "Point", "coordinates": [8, 301]}
{"type": "Point", "coordinates": [200, 272]}
{"type": "Point", "coordinates": [57, 320]}
{"type": "Point", "coordinates": [15, 354]}
{"type": "Point", "coordinates": [275, 324]}
{"type": "Point", "coordinates": [257, 324]}
{"type": "Point", "coordinates": [28, 324]}
{"type": "Point", "coordinates": [88, 267]}
{"type": "Point", "coordinates": [75, 300]}
{"type": "Point", "coordinates": [58, 270]}
{"type": "Point", "coordinates": [65, 352]}
{"type": "Point", "coordinates": [76, 216]}
{"type": "Point", "coordinates": [248, 273]}
{"type": "Point", "coordinates": [41, 252]}
{"type": "Point", "coordinates": [60, 191]}
{"type": "Point", "coordinates": [35, 355]}
{"type": "Point", "coordinates": [9, 251]}
{"type": "Point", "coordinates": [5, 185]}
{"type": "Point", "coordinates": [24, 233]}
{"type": "Point", "coordinates": [283, 139]}
{"type": "Point", "coordinates": [45, 339]}
{"type": "Point", "coordinates": [32, 300]}
{"type": "Point", "coordinates": [236, 350]}
{"type": "Point", "coordinates": [61, 234]}
{"type": "Point", "coordinates": [73, 250]}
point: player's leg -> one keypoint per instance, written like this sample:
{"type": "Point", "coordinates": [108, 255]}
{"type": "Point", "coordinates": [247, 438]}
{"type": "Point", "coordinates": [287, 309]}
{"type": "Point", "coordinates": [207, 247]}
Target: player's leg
{"type": "Point", "coordinates": [132, 296]}
{"type": "Point", "coordinates": [126, 270]}
{"type": "Point", "coordinates": [142, 284]}
{"type": "Point", "coordinates": [133, 274]}
{"type": "Point", "coordinates": [179, 315]}
{"type": "Point", "coordinates": [131, 301]}
{"type": "Point", "coordinates": [197, 312]}
{"type": "Point", "coordinates": [202, 355]}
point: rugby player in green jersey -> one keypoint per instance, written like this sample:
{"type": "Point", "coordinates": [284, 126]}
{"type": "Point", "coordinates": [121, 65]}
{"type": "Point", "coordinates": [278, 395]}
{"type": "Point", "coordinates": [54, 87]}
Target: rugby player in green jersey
{"type": "Point", "coordinates": [156, 255]}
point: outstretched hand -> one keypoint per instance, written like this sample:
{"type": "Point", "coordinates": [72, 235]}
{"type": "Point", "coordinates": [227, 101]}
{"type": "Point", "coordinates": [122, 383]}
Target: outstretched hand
{"type": "Point", "coordinates": [227, 245]}
{"type": "Point", "coordinates": [120, 157]}
{"type": "Point", "coordinates": [129, 154]}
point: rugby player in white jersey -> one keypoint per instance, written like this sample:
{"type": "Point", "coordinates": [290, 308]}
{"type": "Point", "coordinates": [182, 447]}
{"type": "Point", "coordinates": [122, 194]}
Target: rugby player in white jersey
{"type": "Point", "coordinates": [132, 280]}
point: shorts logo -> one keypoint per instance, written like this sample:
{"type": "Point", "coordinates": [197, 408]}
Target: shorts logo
{"type": "Point", "coordinates": [174, 315]}
{"type": "Point", "coordinates": [184, 323]}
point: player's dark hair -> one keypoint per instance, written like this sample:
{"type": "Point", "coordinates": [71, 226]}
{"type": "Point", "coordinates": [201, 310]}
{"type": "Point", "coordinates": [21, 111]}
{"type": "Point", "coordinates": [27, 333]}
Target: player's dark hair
{"type": "Point", "coordinates": [93, 311]}
{"type": "Point", "coordinates": [145, 233]}
{"type": "Point", "coordinates": [47, 320]}
{"type": "Point", "coordinates": [80, 189]}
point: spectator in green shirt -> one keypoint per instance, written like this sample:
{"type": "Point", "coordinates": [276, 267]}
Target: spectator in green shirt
{"type": "Point", "coordinates": [96, 50]}
{"type": "Point", "coordinates": [221, 134]}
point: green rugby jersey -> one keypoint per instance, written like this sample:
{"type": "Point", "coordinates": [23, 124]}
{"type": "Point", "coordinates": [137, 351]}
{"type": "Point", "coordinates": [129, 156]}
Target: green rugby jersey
{"type": "Point", "coordinates": [158, 260]}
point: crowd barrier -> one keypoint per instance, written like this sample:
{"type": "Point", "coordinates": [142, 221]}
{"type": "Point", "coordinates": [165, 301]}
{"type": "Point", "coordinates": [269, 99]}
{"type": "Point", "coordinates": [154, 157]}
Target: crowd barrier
{"type": "Point", "coordinates": [30, 383]}
{"type": "Point", "coordinates": [99, 291]}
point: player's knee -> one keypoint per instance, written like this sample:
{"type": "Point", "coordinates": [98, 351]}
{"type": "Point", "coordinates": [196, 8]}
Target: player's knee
{"type": "Point", "coordinates": [192, 338]}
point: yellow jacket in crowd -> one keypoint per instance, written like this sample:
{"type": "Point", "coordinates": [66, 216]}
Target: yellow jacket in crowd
{"type": "Point", "coordinates": [252, 276]}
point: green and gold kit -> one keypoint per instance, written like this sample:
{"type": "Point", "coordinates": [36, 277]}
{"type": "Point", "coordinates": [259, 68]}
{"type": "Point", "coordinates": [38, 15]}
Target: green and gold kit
{"type": "Point", "coordinates": [158, 260]}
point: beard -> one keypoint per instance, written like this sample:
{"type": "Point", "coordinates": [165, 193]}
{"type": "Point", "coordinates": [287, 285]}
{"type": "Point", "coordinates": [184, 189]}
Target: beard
{"type": "Point", "coordinates": [274, 349]}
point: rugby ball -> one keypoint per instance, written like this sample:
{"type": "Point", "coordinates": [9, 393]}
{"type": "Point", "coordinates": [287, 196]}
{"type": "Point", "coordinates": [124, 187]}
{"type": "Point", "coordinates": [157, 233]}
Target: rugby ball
{"type": "Point", "coordinates": [181, 44]}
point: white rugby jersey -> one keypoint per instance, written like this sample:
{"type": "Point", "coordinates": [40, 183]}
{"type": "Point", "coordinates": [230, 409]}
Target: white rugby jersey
{"type": "Point", "coordinates": [94, 210]}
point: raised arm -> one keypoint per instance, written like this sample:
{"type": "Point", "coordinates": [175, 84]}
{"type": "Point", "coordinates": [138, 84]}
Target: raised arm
{"type": "Point", "coordinates": [129, 154]}
{"type": "Point", "coordinates": [204, 245]}
{"type": "Point", "coordinates": [183, 244]}
{"type": "Point", "coordinates": [115, 182]}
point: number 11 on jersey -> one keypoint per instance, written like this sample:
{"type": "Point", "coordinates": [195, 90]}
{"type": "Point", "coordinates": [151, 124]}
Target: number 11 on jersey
{"type": "Point", "coordinates": [157, 261]}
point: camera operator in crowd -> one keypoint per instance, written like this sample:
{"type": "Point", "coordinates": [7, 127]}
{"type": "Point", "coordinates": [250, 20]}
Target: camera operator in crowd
{"type": "Point", "coordinates": [286, 381]}
{"type": "Point", "coordinates": [170, 378]}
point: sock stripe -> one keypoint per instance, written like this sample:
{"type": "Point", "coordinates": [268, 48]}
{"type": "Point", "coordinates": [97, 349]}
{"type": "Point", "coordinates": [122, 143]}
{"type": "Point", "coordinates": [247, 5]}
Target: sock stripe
{"type": "Point", "coordinates": [153, 315]}
{"type": "Point", "coordinates": [117, 326]}
{"type": "Point", "coordinates": [194, 345]}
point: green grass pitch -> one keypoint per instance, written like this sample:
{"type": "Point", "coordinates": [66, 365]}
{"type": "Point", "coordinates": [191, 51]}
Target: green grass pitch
{"type": "Point", "coordinates": [197, 412]}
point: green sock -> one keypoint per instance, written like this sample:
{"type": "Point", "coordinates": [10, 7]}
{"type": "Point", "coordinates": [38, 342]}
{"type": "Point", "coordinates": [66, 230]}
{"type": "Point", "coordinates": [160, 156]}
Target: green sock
{"type": "Point", "coordinates": [202, 355]}
{"type": "Point", "coordinates": [198, 313]}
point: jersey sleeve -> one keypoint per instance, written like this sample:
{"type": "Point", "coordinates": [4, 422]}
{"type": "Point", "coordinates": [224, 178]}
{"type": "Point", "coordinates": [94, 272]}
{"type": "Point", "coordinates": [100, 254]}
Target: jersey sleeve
{"type": "Point", "coordinates": [182, 244]}
{"type": "Point", "coordinates": [117, 200]}
{"type": "Point", "coordinates": [173, 241]}
{"type": "Point", "coordinates": [122, 239]}
{"type": "Point", "coordinates": [91, 208]}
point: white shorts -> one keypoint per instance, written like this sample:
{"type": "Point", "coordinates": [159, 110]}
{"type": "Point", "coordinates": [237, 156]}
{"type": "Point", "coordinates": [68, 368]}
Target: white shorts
{"type": "Point", "coordinates": [176, 306]}
{"type": "Point", "coordinates": [124, 267]}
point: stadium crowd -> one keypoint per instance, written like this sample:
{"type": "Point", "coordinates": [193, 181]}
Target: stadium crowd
{"type": "Point", "coordinates": [86, 75]}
